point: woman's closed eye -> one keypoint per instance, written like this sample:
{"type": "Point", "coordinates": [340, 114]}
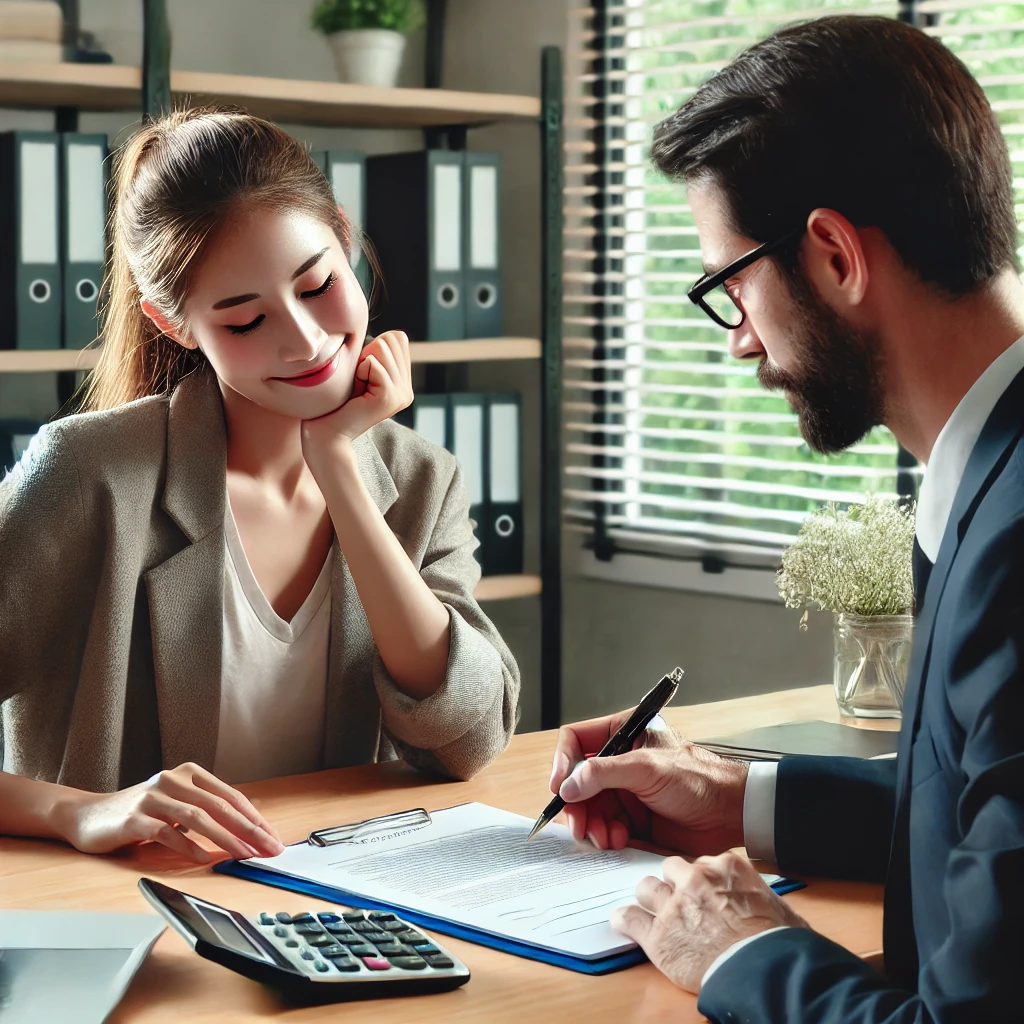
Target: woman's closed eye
{"type": "Point", "coordinates": [315, 293]}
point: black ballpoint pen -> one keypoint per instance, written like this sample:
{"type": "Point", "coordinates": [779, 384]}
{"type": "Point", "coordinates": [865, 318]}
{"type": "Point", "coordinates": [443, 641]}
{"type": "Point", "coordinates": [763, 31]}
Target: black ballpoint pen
{"type": "Point", "coordinates": [625, 736]}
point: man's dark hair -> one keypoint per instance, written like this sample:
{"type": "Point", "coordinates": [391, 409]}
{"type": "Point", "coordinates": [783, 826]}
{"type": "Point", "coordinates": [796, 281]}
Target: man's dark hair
{"type": "Point", "coordinates": [866, 116]}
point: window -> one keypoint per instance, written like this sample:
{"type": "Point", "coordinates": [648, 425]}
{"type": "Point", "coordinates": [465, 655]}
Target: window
{"type": "Point", "coordinates": [673, 447]}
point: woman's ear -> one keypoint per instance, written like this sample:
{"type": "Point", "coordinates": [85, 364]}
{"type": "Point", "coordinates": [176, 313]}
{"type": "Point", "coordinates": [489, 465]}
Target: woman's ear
{"type": "Point", "coordinates": [163, 325]}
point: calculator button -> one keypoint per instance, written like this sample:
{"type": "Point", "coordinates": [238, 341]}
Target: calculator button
{"type": "Point", "coordinates": [284, 918]}
{"type": "Point", "coordinates": [362, 950]}
{"type": "Point", "coordinates": [303, 919]}
{"type": "Point", "coordinates": [376, 963]}
{"type": "Point", "coordinates": [353, 915]}
{"type": "Point", "coordinates": [374, 937]}
{"type": "Point", "coordinates": [389, 948]}
{"type": "Point", "coordinates": [394, 926]}
{"type": "Point", "coordinates": [308, 954]}
{"type": "Point", "coordinates": [329, 918]}
{"type": "Point", "coordinates": [413, 938]}
{"type": "Point", "coordinates": [333, 950]}
{"type": "Point", "coordinates": [292, 944]}
{"type": "Point", "coordinates": [364, 926]}
{"type": "Point", "coordinates": [409, 963]}
{"type": "Point", "coordinates": [424, 950]}
{"type": "Point", "coordinates": [321, 966]}
{"type": "Point", "coordinates": [338, 928]}
{"type": "Point", "coordinates": [308, 929]}
{"type": "Point", "coordinates": [345, 963]}
{"type": "Point", "coordinates": [266, 919]}
{"type": "Point", "coordinates": [381, 915]}
{"type": "Point", "coordinates": [281, 932]}
{"type": "Point", "coordinates": [320, 940]}
{"type": "Point", "coordinates": [440, 961]}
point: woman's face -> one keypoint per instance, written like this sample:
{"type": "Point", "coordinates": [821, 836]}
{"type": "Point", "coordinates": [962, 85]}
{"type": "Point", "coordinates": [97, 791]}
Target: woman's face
{"type": "Point", "coordinates": [275, 308]}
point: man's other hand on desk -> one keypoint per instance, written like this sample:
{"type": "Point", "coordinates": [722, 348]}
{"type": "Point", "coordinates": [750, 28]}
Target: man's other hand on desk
{"type": "Point", "coordinates": [698, 912]}
{"type": "Point", "coordinates": [665, 791]}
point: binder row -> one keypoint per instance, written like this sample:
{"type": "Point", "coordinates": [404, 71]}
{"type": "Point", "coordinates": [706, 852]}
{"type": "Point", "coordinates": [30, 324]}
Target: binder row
{"type": "Point", "coordinates": [432, 216]}
{"type": "Point", "coordinates": [52, 237]}
{"type": "Point", "coordinates": [482, 431]}
{"type": "Point", "coordinates": [433, 219]}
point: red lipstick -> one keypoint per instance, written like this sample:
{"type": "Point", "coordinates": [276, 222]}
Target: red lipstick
{"type": "Point", "coordinates": [311, 378]}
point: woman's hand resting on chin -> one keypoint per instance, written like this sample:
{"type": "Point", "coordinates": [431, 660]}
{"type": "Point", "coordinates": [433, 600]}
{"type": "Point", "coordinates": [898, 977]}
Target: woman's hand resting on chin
{"type": "Point", "coordinates": [382, 387]}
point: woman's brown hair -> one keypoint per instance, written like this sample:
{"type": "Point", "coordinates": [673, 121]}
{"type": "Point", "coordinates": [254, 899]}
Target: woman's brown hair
{"type": "Point", "coordinates": [175, 180]}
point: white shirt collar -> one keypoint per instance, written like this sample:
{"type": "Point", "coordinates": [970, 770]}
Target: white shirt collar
{"type": "Point", "coordinates": [954, 445]}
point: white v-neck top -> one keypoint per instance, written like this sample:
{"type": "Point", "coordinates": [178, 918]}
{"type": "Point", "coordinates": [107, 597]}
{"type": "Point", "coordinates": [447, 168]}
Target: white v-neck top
{"type": "Point", "coordinates": [273, 675]}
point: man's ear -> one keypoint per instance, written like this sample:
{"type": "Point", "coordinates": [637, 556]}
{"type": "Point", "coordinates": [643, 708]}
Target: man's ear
{"type": "Point", "coordinates": [835, 260]}
{"type": "Point", "coordinates": [163, 325]}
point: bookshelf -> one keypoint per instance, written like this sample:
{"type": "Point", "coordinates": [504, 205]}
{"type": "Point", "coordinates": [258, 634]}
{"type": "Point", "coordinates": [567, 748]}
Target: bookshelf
{"type": "Point", "coordinates": [71, 88]}
{"type": "Point", "coordinates": [332, 104]}
{"type": "Point", "coordinates": [469, 351]}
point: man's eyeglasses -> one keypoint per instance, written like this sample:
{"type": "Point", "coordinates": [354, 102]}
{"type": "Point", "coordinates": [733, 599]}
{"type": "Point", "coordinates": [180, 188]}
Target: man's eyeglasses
{"type": "Point", "coordinates": [713, 297]}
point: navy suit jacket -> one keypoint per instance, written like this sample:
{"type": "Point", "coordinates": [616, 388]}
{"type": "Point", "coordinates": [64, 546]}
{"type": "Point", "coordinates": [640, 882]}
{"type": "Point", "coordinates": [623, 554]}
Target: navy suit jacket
{"type": "Point", "coordinates": [943, 825]}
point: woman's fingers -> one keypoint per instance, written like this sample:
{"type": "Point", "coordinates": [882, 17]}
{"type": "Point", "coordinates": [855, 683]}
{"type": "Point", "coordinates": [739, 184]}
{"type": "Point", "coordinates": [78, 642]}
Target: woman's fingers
{"type": "Point", "coordinates": [167, 835]}
{"type": "Point", "coordinates": [194, 818]}
{"type": "Point", "coordinates": [181, 787]}
{"type": "Point", "coordinates": [208, 781]}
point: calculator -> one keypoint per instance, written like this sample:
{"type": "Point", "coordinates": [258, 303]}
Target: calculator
{"type": "Point", "coordinates": [316, 956]}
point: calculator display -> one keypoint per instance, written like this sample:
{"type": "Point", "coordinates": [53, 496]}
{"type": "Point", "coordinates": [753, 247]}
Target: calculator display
{"type": "Point", "coordinates": [227, 931]}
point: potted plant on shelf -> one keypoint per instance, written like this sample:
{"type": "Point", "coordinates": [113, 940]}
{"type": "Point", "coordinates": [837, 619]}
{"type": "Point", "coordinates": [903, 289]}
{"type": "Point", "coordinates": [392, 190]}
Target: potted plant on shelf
{"type": "Point", "coordinates": [367, 37]}
{"type": "Point", "coordinates": [857, 564]}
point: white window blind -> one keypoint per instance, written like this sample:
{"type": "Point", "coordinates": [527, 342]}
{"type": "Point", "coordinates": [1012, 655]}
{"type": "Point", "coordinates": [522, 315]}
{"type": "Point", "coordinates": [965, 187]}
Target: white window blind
{"type": "Point", "coordinates": [673, 445]}
{"type": "Point", "coordinates": [989, 38]}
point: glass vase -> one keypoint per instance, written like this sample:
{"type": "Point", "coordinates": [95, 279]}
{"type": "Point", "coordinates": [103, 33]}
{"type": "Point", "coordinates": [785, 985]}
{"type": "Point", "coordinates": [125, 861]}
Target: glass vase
{"type": "Point", "coordinates": [872, 657]}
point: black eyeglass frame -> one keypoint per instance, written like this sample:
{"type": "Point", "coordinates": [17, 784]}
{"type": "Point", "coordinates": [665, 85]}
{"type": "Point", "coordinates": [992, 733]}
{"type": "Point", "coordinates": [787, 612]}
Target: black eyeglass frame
{"type": "Point", "coordinates": [708, 283]}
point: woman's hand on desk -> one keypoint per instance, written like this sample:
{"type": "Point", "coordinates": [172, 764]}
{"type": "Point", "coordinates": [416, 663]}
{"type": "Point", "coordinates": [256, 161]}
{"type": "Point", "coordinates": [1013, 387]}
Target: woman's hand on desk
{"type": "Point", "coordinates": [160, 809]}
{"type": "Point", "coordinates": [666, 791]}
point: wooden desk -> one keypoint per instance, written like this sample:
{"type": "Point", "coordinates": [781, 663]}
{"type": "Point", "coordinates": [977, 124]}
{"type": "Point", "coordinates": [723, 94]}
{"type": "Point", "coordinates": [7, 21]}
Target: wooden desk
{"type": "Point", "coordinates": [176, 985]}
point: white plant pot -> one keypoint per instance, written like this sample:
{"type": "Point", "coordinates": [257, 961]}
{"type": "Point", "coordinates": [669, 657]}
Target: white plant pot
{"type": "Point", "coordinates": [368, 56]}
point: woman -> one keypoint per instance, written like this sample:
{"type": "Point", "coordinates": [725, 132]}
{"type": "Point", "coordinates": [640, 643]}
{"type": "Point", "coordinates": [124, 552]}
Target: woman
{"type": "Point", "coordinates": [235, 565]}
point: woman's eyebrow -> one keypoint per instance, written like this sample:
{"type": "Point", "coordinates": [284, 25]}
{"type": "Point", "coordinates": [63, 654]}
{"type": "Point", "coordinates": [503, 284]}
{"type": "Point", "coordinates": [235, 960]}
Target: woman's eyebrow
{"type": "Point", "coordinates": [237, 300]}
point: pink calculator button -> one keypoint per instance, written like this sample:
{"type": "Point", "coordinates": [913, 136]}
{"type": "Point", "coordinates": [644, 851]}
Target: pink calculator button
{"type": "Point", "coordinates": [376, 963]}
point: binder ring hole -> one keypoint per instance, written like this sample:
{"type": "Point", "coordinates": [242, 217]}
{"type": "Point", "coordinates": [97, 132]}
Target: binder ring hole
{"type": "Point", "coordinates": [448, 296]}
{"type": "Point", "coordinates": [504, 526]}
{"type": "Point", "coordinates": [39, 290]}
{"type": "Point", "coordinates": [486, 296]}
{"type": "Point", "coordinates": [86, 290]}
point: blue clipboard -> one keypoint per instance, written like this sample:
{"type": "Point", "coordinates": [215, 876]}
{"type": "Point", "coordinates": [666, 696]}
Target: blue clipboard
{"type": "Point", "coordinates": [615, 962]}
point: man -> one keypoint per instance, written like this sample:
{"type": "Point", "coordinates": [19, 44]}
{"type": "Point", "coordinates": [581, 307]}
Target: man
{"type": "Point", "coordinates": [853, 197]}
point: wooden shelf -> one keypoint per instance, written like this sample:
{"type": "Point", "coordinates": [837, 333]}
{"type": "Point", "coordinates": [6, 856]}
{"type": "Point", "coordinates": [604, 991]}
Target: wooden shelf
{"type": "Point", "coordinates": [471, 351]}
{"type": "Point", "coordinates": [116, 87]}
{"type": "Point", "coordinates": [475, 350]}
{"type": "Point", "coordinates": [503, 588]}
{"type": "Point", "coordinates": [46, 360]}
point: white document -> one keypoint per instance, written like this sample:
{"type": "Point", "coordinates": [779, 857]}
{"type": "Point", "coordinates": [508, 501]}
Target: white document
{"type": "Point", "coordinates": [69, 966]}
{"type": "Point", "coordinates": [472, 865]}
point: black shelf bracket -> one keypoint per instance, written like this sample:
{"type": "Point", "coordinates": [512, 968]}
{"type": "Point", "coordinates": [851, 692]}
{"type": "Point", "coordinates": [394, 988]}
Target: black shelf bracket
{"type": "Point", "coordinates": [551, 406]}
{"type": "Point", "coordinates": [156, 59]}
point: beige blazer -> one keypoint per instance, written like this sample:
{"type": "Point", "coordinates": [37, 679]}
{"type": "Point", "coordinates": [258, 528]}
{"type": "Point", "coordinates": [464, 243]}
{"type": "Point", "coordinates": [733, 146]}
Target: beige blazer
{"type": "Point", "coordinates": [111, 587]}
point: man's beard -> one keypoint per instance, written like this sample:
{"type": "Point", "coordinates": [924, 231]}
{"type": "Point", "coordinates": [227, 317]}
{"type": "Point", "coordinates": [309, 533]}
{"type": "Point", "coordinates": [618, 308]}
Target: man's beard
{"type": "Point", "coordinates": [836, 390]}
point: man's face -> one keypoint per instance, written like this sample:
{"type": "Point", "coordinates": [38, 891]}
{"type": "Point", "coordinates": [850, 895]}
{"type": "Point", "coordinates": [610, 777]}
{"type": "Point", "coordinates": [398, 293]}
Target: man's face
{"type": "Point", "coordinates": [828, 369]}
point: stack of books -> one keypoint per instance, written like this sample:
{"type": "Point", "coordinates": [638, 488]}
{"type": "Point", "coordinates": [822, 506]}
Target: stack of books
{"type": "Point", "coordinates": [31, 30]}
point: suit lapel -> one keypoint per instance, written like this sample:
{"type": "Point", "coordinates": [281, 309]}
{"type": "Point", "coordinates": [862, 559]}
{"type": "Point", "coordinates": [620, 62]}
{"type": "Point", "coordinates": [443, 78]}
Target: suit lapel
{"type": "Point", "coordinates": [186, 591]}
{"type": "Point", "coordinates": [994, 446]}
{"type": "Point", "coordinates": [352, 702]}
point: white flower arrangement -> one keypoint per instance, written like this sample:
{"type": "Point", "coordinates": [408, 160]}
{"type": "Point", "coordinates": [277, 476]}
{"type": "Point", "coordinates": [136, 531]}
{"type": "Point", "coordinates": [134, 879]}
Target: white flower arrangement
{"type": "Point", "coordinates": [856, 562]}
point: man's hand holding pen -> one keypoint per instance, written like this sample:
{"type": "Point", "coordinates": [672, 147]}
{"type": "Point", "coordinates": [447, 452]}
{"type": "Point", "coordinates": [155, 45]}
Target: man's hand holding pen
{"type": "Point", "coordinates": [680, 797]}
{"type": "Point", "coordinates": [666, 791]}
